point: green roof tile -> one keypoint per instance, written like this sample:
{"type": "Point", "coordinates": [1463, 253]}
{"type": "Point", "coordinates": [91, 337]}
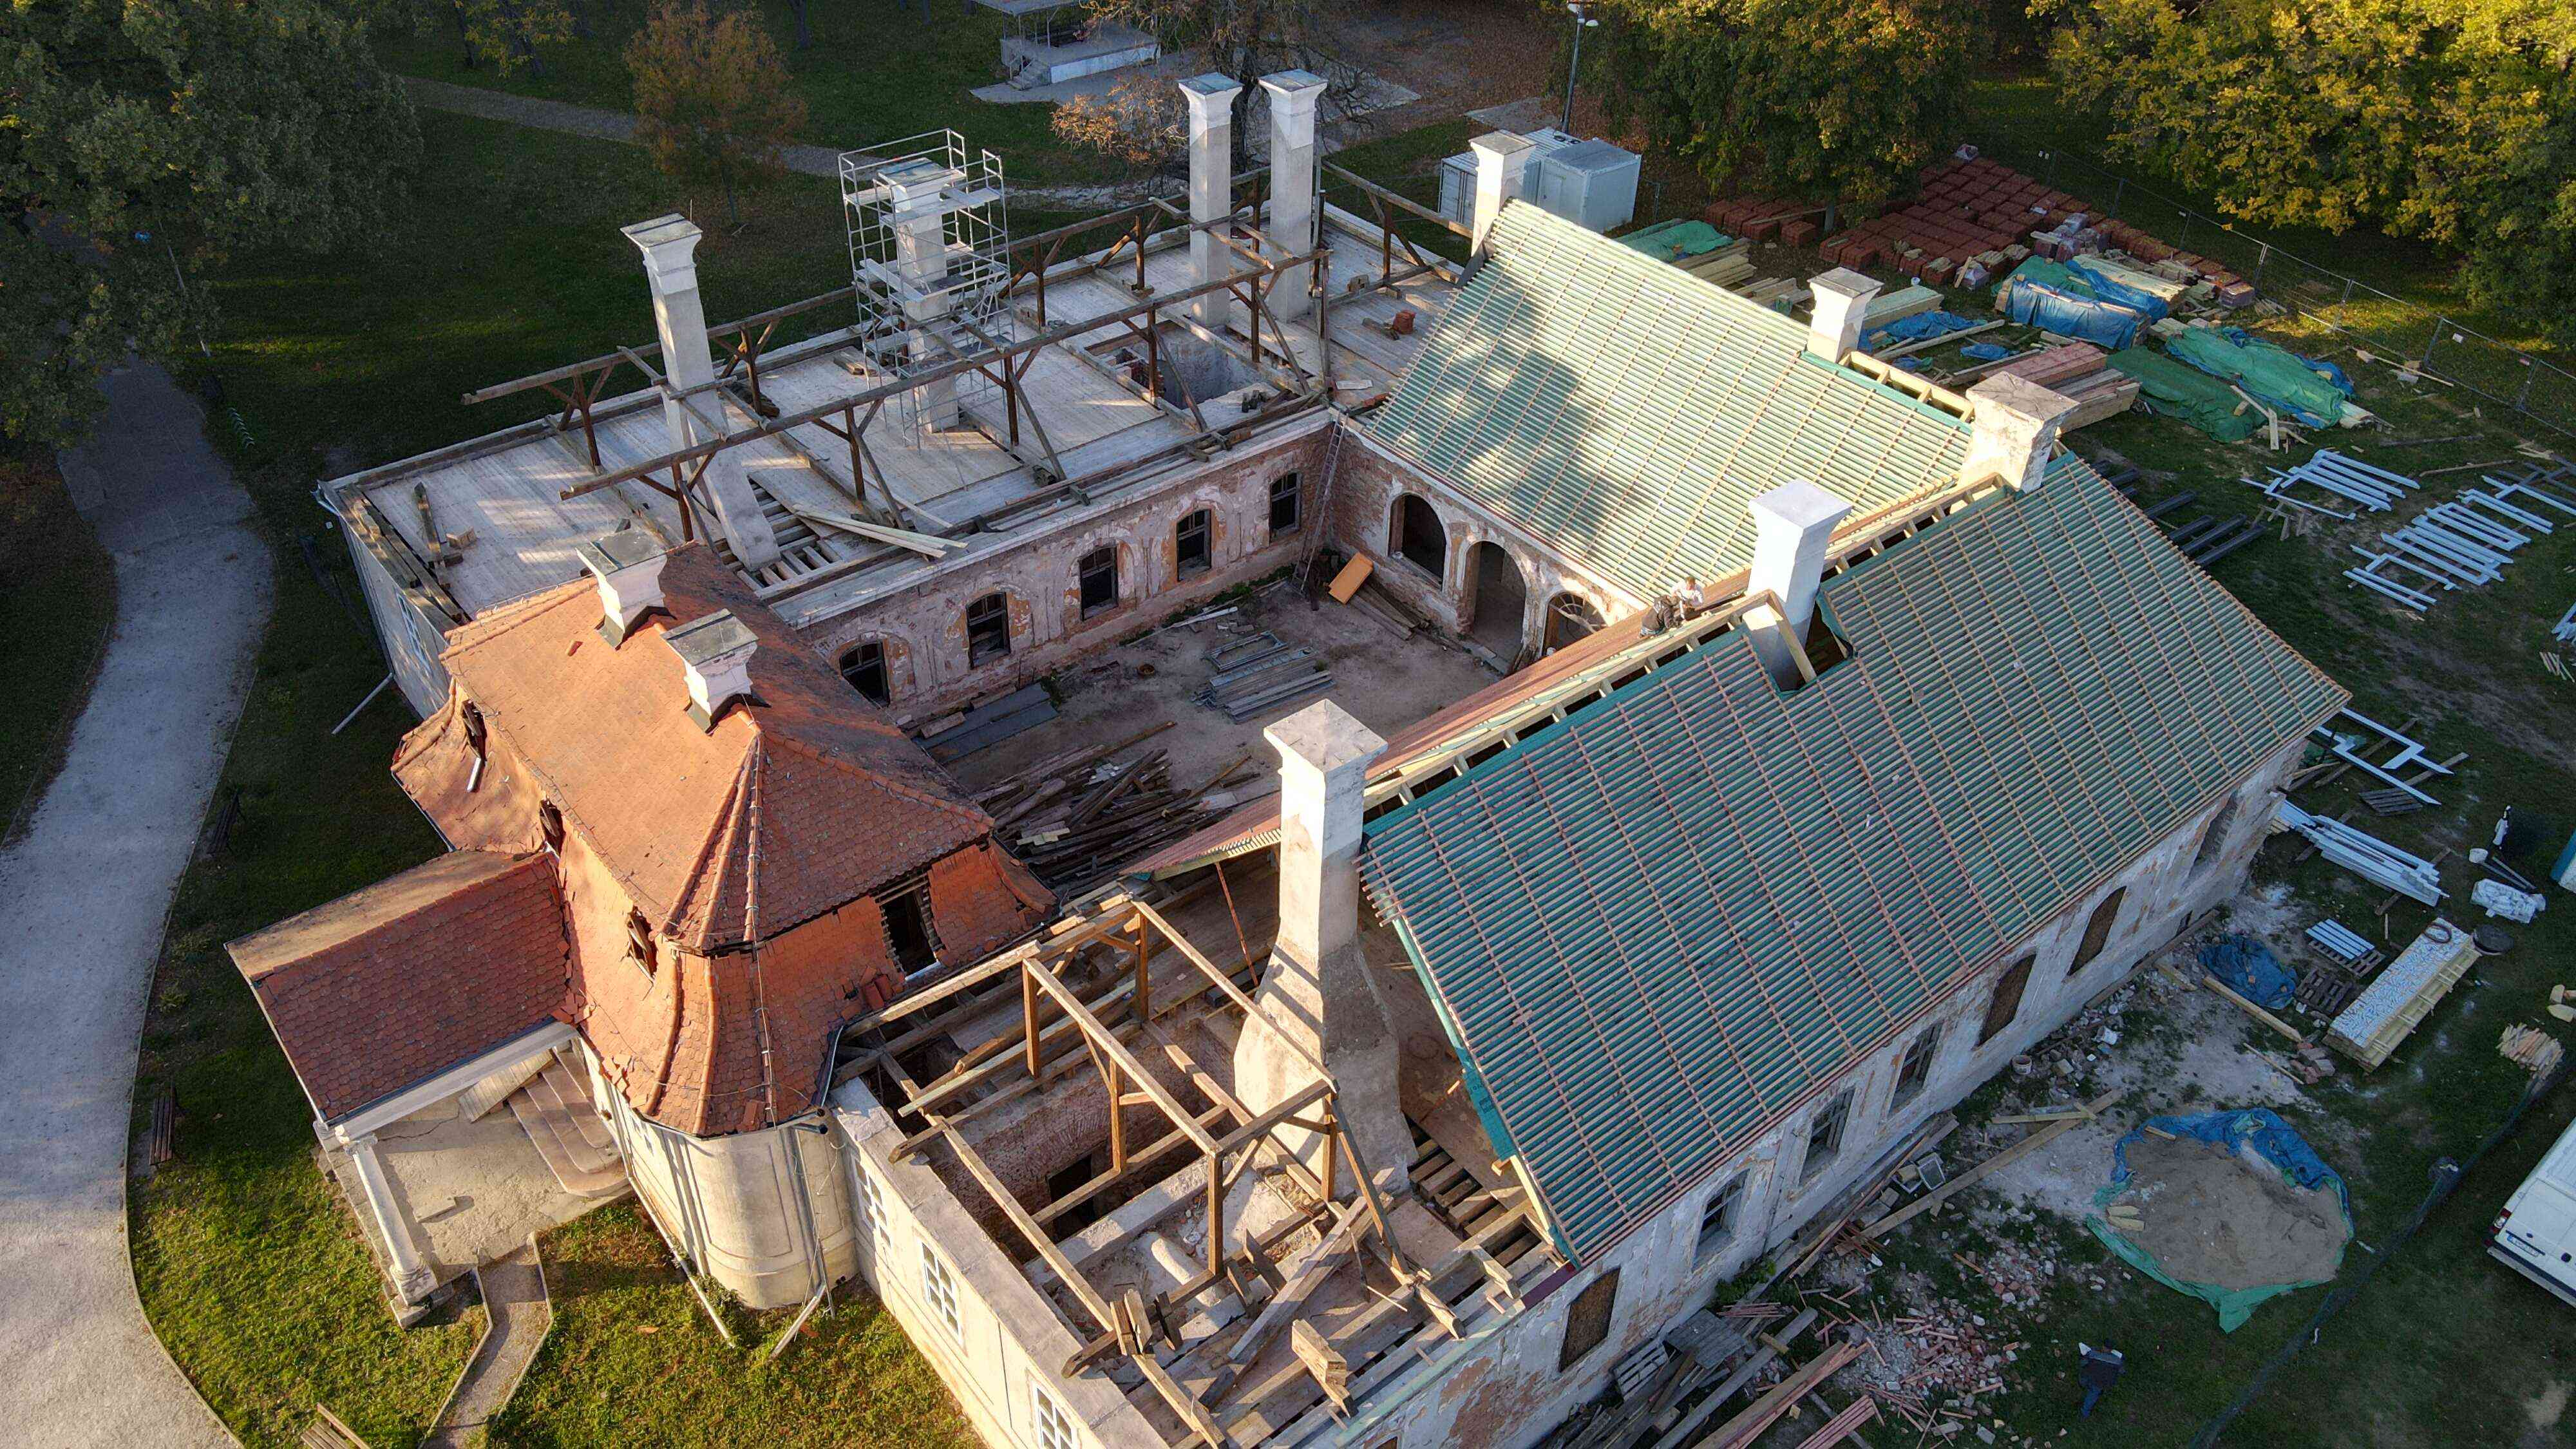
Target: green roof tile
{"type": "Point", "coordinates": [1626, 411]}
{"type": "Point", "coordinates": [1658, 927]}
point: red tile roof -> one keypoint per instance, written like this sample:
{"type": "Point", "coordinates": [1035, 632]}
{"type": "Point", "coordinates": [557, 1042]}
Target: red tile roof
{"type": "Point", "coordinates": [413, 975]}
{"type": "Point", "coordinates": [797, 803]}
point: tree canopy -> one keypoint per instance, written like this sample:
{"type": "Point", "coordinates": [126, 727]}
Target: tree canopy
{"type": "Point", "coordinates": [146, 140]}
{"type": "Point", "coordinates": [714, 103]}
{"type": "Point", "coordinates": [2450, 120]}
{"type": "Point", "coordinates": [1841, 99]}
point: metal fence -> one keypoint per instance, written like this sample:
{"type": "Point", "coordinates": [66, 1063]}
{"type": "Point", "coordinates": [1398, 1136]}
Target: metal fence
{"type": "Point", "coordinates": [2390, 326]}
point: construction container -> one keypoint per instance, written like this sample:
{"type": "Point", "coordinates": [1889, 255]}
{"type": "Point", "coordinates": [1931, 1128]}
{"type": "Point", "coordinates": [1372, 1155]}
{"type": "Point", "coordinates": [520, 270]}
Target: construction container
{"type": "Point", "coordinates": [1591, 183]}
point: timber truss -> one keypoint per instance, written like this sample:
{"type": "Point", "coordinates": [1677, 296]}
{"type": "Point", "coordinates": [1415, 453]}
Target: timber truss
{"type": "Point", "coordinates": [883, 520]}
{"type": "Point", "coordinates": [1074, 1014]}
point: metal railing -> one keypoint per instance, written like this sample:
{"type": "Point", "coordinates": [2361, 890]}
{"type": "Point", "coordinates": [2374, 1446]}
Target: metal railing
{"type": "Point", "coordinates": [2431, 341]}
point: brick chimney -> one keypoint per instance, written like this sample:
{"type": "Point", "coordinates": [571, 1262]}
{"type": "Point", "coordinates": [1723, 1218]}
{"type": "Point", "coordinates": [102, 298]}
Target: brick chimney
{"type": "Point", "coordinates": [715, 656]}
{"type": "Point", "coordinates": [1294, 95]}
{"type": "Point", "coordinates": [1318, 1009]}
{"type": "Point", "coordinates": [2013, 431]}
{"type": "Point", "coordinates": [1842, 298]}
{"type": "Point", "coordinates": [670, 247]}
{"type": "Point", "coordinates": [1793, 527]}
{"type": "Point", "coordinates": [1502, 168]}
{"type": "Point", "coordinates": [628, 566]}
{"type": "Point", "coordinates": [1211, 102]}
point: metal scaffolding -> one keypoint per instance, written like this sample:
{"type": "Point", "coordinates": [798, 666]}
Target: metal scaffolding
{"type": "Point", "coordinates": [929, 228]}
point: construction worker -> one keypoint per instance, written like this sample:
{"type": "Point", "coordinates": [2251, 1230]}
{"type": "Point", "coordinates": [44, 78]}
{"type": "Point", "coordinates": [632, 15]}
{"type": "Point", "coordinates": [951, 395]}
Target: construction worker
{"type": "Point", "coordinates": [1692, 598]}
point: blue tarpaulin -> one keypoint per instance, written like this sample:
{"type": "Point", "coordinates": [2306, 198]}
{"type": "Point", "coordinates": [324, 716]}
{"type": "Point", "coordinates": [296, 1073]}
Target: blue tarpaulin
{"type": "Point", "coordinates": [1916, 328]}
{"type": "Point", "coordinates": [2040, 293]}
{"type": "Point", "coordinates": [2244, 966]}
{"type": "Point", "coordinates": [2108, 287]}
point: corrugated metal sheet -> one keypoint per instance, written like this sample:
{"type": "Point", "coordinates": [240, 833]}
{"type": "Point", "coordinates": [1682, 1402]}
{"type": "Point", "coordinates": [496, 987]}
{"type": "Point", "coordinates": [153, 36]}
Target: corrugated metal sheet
{"type": "Point", "coordinates": [1626, 411]}
{"type": "Point", "coordinates": [1657, 927]}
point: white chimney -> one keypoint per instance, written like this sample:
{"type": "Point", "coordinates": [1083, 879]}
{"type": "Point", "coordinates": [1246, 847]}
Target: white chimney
{"type": "Point", "coordinates": [1842, 298]}
{"type": "Point", "coordinates": [1294, 95]}
{"type": "Point", "coordinates": [1318, 1006]}
{"type": "Point", "coordinates": [920, 195]}
{"type": "Point", "coordinates": [670, 246]}
{"type": "Point", "coordinates": [2013, 430]}
{"type": "Point", "coordinates": [1793, 529]}
{"type": "Point", "coordinates": [628, 566]}
{"type": "Point", "coordinates": [1502, 168]}
{"type": "Point", "coordinates": [715, 654]}
{"type": "Point", "coordinates": [1211, 101]}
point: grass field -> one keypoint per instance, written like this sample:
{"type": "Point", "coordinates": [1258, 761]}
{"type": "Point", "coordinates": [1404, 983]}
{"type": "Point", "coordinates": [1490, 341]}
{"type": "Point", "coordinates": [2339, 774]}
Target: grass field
{"type": "Point", "coordinates": [52, 571]}
{"type": "Point", "coordinates": [633, 1360]}
{"type": "Point", "coordinates": [878, 70]}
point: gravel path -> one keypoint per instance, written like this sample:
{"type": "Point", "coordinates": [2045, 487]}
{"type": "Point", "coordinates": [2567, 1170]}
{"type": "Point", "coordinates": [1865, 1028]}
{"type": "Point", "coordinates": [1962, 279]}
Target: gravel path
{"type": "Point", "coordinates": [84, 897]}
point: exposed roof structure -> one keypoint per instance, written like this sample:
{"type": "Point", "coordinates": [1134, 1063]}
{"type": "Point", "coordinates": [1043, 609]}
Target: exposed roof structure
{"type": "Point", "coordinates": [795, 804]}
{"type": "Point", "coordinates": [1627, 411]}
{"type": "Point", "coordinates": [1656, 927]}
{"type": "Point", "coordinates": [346, 990]}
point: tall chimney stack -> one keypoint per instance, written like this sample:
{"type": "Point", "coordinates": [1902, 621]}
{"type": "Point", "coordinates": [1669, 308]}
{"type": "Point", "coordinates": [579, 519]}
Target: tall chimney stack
{"type": "Point", "coordinates": [1842, 298]}
{"type": "Point", "coordinates": [2013, 431]}
{"type": "Point", "coordinates": [670, 246]}
{"type": "Point", "coordinates": [628, 566]}
{"type": "Point", "coordinates": [1294, 94]}
{"type": "Point", "coordinates": [1211, 101]}
{"type": "Point", "coordinates": [1318, 1008]}
{"type": "Point", "coordinates": [1502, 168]}
{"type": "Point", "coordinates": [1793, 529]}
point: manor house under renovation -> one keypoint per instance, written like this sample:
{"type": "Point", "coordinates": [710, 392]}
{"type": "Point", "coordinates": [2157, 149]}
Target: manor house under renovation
{"type": "Point", "coordinates": [1566, 954]}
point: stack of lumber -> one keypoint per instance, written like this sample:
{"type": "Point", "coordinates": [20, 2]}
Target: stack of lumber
{"type": "Point", "coordinates": [2077, 370]}
{"type": "Point", "coordinates": [1778, 293]}
{"type": "Point", "coordinates": [1898, 305]}
{"type": "Point", "coordinates": [1728, 266]}
{"type": "Point", "coordinates": [1073, 818]}
{"type": "Point", "coordinates": [2391, 1007]}
{"type": "Point", "coordinates": [1710, 255]}
{"type": "Point", "coordinates": [1257, 675]}
{"type": "Point", "coordinates": [2531, 1049]}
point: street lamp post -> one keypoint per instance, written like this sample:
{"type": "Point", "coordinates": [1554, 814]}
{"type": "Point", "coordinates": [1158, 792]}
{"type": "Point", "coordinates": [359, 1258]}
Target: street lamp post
{"type": "Point", "coordinates": [1583, 21]}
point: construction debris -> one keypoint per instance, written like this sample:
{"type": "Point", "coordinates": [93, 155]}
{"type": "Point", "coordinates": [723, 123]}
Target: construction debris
{"type": "Point", "coordinates": [1258, 675]}
{"type": "Point", "coordinates": [2366, 855]}
{"type": "Point", "coordinates": [1071, 819]}
{"type": "Point", "coordinates": [2531, 1049]}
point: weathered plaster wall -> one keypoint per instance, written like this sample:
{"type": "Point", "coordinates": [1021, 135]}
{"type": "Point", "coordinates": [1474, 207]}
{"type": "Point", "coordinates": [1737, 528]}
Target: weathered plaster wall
{"type": "Point", "coordinates": [1367, 481]}
{"type": "Point", "coordinates": [923, 627]}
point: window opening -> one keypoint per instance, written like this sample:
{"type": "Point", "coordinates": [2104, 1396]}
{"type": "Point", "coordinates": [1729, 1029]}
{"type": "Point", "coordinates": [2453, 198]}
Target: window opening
{"type": "Point", "coordinates": [988, 629]}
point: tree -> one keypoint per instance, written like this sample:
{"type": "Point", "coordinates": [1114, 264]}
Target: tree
{"type": "Point", "coordinates": [713, 100]}
{"type": "Point", "coordinates": [507, 34]}
{"type": "Point", "coordinates": [1839, 99]}
{"type": "Point", "coordinates": [1245, 39]}
{"type": "Point", "coordinates": [147, 141]}
{"type": "Point", "coordinates": [1141, 121]}
{"type": "Point", "coordinates": [2442, 119]}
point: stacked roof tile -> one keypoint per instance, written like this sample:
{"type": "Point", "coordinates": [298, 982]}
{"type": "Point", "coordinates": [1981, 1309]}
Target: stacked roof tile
{"type": "Point", "coordinates": [1629, 418]}
{"type": "Point", "coordinates": [1658, 927]}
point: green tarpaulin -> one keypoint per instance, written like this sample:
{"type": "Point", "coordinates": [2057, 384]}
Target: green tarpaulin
{"type": "Point", "coordinates": [2182, 392]}
{"type": "Point", "coordinates": [1676, 239]}
{"type": "Point", "coordinates": [2278, 379]}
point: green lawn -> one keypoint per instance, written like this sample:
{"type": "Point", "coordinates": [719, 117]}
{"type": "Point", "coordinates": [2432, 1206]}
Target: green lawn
{"type": "Point", "coordinates": [51, 570]}
{"type": "Point", "coordinates": [2446, 1345]}
{"type": "Point", "coordinates": [877, 71]}
{"type": "Point", "coordinates": [633, 1360]}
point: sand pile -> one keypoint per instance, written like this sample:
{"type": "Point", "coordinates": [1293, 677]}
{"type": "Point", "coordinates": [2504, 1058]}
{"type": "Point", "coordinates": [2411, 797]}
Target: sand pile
{"type": "Point", "coordinates": [2229, 1219]}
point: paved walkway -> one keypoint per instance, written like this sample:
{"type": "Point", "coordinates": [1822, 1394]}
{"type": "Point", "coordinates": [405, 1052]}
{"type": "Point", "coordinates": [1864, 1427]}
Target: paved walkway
{"type": "Point", "coordinates": [83, 900]}
{"type": "Point", "coordinates": [514, 1293]}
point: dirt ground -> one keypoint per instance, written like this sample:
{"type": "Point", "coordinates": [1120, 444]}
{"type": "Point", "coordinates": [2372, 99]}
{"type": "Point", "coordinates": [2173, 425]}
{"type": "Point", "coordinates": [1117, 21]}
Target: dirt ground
{"type": "Point", "coordinates": [2228, 1218]}
{"type": "Point", "coordinates": [1456, 54]}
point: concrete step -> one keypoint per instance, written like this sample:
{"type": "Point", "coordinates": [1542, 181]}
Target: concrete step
{"type": "Point", "coordinates": [550, 1127]}
{"type": "Point", "coordinates": [574, 1090]}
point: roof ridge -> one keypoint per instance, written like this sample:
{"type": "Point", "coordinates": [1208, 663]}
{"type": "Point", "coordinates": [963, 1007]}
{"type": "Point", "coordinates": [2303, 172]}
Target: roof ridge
{"type": "Point", "coordinates": [709, 873]}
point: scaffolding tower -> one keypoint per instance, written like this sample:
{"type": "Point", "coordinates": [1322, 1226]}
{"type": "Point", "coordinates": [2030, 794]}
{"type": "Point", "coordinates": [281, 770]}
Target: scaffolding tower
{"type": "Point", "coordinates": [930, 256]}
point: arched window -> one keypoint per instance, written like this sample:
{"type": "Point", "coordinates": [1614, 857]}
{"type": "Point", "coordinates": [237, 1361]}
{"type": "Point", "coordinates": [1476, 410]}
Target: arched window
{"type": "Point", "coordinates": [1415, 535]}
{"type": "Point", "coordinates": [2213, 841]}
{"type": "Point", "coordinates": [1097, 572]}
{"type": "Point", "coordinates": [864, 666]}
{"type": "Point", "coordinates": [988, 629]}
{"type": "Point", "coordinates": [1194, 542]}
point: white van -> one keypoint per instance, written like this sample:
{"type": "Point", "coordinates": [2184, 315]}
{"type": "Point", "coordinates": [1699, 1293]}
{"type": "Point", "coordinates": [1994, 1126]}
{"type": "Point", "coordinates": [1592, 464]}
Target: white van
{"type": "Point", "coordinates": [2536, 1232]}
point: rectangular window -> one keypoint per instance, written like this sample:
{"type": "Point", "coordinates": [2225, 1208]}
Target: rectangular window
{"type": "Point", "coordinates": [1916, 1069]}
{"type": "Point", "coordinates": [1055, 1426]}
{"type": "Point", "coordinates": [1588, 1321]}
{"type": "Point", "coordinates": [988, 629]}
{"type": "Point", "coordinates": [909, 932]}
{"type": "Point", "coordinates": [872, 1216]}
{"type": "Point", "coordinates": [1194, 544]}
{"type": "Point", "coordinates": [2007, 1000]}
{"type": "Point", "coordinates": [1099, 570]}
{"type": "Point", "coordinates": [1825, 1137]}
{"type": "Point", "coordinates": [1283, 504]}
{"type": "Point", "coordinates": [865, 669]}
{"type": "Point", "coordinates": [939, 1290]}
{"type": "Point", "coordinates": [1717, 1220]}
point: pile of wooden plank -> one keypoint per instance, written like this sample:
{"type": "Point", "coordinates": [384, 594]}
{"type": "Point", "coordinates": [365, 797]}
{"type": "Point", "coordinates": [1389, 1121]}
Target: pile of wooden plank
{"type": "Point", "coordinates": [2077, 370]}
{"type": "Point", "coordinates": [1073, 818]}
{"type": "Point", "coordinates": [2531, 1049]}
{"type": "Point", "coordinates": [2407, 990]}
{"type": "Point", "coordinates": [1257, 675]}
